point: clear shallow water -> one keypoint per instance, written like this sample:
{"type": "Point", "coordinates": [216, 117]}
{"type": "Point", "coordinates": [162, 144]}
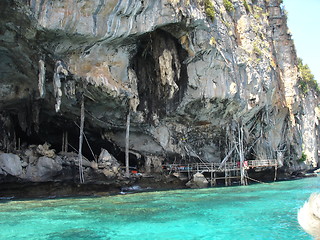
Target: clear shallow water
{"type": "Point", "coordinates": [252, 212]}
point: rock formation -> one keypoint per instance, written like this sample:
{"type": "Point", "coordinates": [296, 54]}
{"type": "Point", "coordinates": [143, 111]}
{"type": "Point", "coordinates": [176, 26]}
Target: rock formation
{"type": "Point", "coordinates": [191, 73]}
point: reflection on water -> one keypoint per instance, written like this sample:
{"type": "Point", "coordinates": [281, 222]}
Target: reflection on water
{"type": "Point", "coordinates": [248, 212]}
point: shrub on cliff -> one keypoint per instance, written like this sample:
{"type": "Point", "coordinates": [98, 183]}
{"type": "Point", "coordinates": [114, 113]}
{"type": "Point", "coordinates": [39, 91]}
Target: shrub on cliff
{"type": "Point", "coordinates": [307, 81]}
{"type": "Point", "coordinates": [209, 9]}
{"type": "Point", "coordinates": [228, 5]}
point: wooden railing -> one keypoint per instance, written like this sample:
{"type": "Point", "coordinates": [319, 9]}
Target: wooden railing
{"type": "Point", "coordinates": [262, 163]}
{"type": "Point", "coordinates": [215, 167]}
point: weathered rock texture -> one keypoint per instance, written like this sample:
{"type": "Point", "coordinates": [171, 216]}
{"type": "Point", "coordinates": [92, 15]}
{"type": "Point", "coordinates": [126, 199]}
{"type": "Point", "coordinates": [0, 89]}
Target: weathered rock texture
{"type": "Point", "coordinates": [192, 85]}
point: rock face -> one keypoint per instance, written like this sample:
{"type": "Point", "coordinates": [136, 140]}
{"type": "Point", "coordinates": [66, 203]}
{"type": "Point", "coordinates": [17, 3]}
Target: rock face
{"type": "Point", "coordinates": [108, 163]}
{"type": "Point", "coordinates": [192, 83]}
{"type": "Point", "coordinates": [198, 181]}
{"type": "Point", "coordinates": [45, 169]}
{"type": "Point", "coordinates": [10, 164]}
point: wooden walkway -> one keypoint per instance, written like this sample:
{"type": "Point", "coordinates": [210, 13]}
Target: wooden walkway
{"type": "Point", "coordinates": [226, 171]}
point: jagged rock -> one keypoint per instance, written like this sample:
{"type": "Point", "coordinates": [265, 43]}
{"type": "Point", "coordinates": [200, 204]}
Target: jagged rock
{"type": "Point", "coordinates": [44, 150]}
{"type": "Point", "coordinates": [11, 164]}
{"type": "Point", "coordinates": [108, 163]}
{"type": "Point", "coordinates": [198, 181]}
{"type": "Point", "coordinates": [106, 160]}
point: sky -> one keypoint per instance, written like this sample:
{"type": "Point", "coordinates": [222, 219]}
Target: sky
{"type": "Point", "coordinates": [304, 24]}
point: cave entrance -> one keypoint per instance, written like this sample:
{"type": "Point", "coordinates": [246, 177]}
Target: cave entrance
{"type": "Point", "coordinates": [51, 130]}
{"type": "Point", "coordinates": [161, 73]}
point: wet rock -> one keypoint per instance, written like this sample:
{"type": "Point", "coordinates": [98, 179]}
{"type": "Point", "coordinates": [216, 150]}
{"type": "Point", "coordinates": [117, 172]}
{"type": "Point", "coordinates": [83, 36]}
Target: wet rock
{"type": "Point", "coordinates": [198, 181]}
{"type": "Point", "coordinates": [11, 164]}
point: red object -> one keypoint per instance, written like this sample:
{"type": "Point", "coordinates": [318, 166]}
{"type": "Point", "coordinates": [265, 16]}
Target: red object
{"type": "Point", "coordinates": [134, 171]}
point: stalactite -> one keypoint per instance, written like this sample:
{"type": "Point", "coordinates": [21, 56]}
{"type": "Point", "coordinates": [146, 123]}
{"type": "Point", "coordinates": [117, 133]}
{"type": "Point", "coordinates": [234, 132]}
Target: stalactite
{"type": "Point", "coordinates": [41, 79]}
{"type": "Point", "coordinates": [59, 72]}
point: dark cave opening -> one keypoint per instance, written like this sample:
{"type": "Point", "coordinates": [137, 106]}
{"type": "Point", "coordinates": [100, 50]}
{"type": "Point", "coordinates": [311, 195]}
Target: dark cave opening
{"type": "Point", "coordinates": [52, 129]}
{"type": "Point", "coordinates": [161, 72]}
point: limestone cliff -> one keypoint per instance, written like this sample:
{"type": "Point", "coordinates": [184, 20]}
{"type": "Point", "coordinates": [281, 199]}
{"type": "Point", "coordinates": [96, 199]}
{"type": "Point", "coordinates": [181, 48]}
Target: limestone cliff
{"type": "Point", "coordinates": [196, 76]}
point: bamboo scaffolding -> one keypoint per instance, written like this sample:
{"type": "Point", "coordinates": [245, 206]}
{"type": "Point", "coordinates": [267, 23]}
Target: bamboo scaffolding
{"type": "Point", "coordinates": [81, 176]}
{"type": "Point", "coordinates": [127, 145]}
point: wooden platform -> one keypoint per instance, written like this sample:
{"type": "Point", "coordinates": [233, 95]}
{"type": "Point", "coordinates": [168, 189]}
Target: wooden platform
{"type": "Point", "coordinates": [226, 171]}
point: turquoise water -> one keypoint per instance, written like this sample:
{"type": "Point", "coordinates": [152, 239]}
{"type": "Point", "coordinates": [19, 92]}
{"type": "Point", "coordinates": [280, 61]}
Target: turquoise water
{"type": "Point", "coordinates": [252, 212]}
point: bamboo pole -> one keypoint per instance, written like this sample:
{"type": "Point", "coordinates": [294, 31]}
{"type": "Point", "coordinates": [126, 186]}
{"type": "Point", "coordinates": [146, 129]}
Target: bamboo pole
{"type": "Point", "coordinates": [81, 140]}
{"type": "Point", "coordinates": [127, 145]}
{"type": "Point", "coordinates": [14, 141]}
{"type": "Point", "coordinates": [63, 144]}
{"type": "Point", "coordinates": [241, 156]}
{"type": "Point", "coordinates": [226, 158]}
{"type": "Point", "coordinates": [66, 142]}
{"type": "Point", "coordinates": [211, 174]}
{"type": "Point", "coordinates": [225, 176]}
{"type": "Point", "coordinates": [87, 141]}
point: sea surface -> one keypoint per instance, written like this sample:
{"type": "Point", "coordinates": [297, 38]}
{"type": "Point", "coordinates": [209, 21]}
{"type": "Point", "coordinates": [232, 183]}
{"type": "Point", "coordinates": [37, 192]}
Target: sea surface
{"type": "Point", "coordinates": [259, 211]}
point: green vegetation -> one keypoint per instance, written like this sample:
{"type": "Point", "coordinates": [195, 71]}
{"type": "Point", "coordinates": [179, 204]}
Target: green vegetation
{"type": "Point", "coordinates": [303, 157]}
{"type": "Point", "coordinates": [228, 5]}
{"type": "Point", "coordinates": [208, 6]}
{"type": "Point", "coordinates": [247, 7]}
{"type": "Point", "coordinates": [307, 81]}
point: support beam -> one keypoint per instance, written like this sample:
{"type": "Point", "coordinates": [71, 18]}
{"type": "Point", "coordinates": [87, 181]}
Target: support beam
{"type": "Point", "coordinates": [226, 158]}
{"type": "Point", "coordinates": [81, 176]}
{"type": "Point", "coordinates": [66, 144]}
{"type": "Point", "coordinates": [127, 144]}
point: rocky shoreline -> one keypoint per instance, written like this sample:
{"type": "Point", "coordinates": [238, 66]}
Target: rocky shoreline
{"type": "Point", "coordinates": [26, 190]}
{"type": "Point", "coordinates": [38, 172]}
{"type": "Point", "coordinates": [49, 190]}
